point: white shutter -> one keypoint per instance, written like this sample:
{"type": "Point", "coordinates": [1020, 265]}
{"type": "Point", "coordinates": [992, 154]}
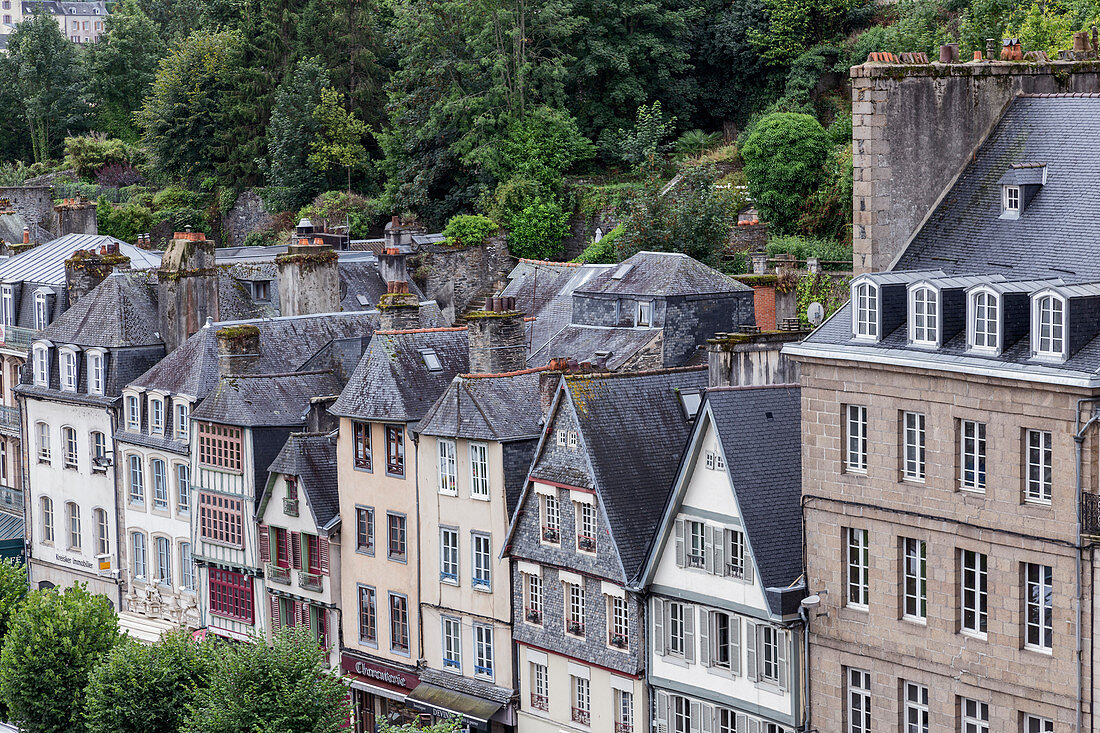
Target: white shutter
{"type": "Point", "coordinates": [689, 633]}
{"type": "Point", "coordinates": [708, 719]}
{"type": "Point", "coordinates": [662, 712]}
{"type": "Point", "coordinates": [754, 726]}
{"type": "Point", "coordinates": [657, 609]}
{"type": "Point", "coordinates": [742, 723]}
{"type": "Point", "coordinates": [750, 646]}
{"type": "Point", "coordinates": [708, 548]}
{"type": "Point", "coordinates": [735, 643]}
{"type": "Point", "coordinates": [704, 636]}
{"type": "Point", "coordinates": [719, 551]}
{"type": "Point", "coordinates": [747, 560]}
{"type": "Point", "coordinates": [784, 641]}
{"type": "Point", "coordinates": [696, 719]}
{"type": "Point", "coordinates": [680, 559]}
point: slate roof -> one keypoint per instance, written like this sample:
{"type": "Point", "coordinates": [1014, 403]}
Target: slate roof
{"type": "Point", "coordinates": [661, 274]}
{"type": "Point", "coordinates": [1055, 233]}
{"type": "Point", "coordinates": [498, 408]}
{"type": "Point", "coordinates": [392, 381]}
{"type": "Point", "coordinates": [121, 311]}
{"type": "Point", "coordinates": [760, 429]}
{"type": "Point", "coordinates": [312, 458]}
{"type": "Point", "coordinates": [11, 228]}
{"type": "Point", "coordinates": [544, 290]}
{"type": "Point", "coordinates": [362, 286]}
{"type": "Point", "coordinates": [45, 263]}
{"type": "Point", "coordinates": [582, 343]}
{"type": "Point", "coordinates": [235, 301]}
{"type": "Point", "coordinates": [265, 400]}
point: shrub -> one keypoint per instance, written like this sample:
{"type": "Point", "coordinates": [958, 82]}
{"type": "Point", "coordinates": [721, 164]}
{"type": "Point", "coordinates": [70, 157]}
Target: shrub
{"type": "Point", "coordinates": [643, 145]}
{"type": "Point", "coordinates": [603, 252]}
{"type": "Point", "coordinates": [801, 247]}
{"type": "Point", "coordinates": [334, 208]}
{"type": "Point", "coordinates": [696, 142]}
{"type": "Point", "coordinates": [537, 231]}
{"type": "Point", "coordinates": [262, 238]}
{"type": "Point", "coordinates": [87, 154]}
{"type": "Point", "coordinates": [174, 197]}
{"type": "Point", "coordinates": [784, 159]}
{"type": "Point", "coordinates": [124, 222]}
{"type": "Point", "coordinates": [467, 230]}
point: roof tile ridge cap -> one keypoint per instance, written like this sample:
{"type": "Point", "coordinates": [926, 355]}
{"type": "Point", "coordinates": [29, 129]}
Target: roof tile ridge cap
{"type": "Point", "coordinates": [279, 375]}
{"type": "Point", "coordinates": [641, 373]}
{"type": "Point", "coordinates": [1059, 95]}
{"type": "Point", "coordinates": [421, 330]}
{"type": "Point", "coordinates": [549, 262]}
{"type": "Point", "coordinates": [746, 387]}
{"type": "Point", "coordinates": [517, 373]}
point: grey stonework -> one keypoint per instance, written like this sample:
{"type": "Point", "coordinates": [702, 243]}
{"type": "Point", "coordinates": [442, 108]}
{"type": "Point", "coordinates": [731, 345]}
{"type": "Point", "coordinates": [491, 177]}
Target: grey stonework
{"type": "Point", "coordinates": [33, 203]}
{"type": "Point", "coordinates": [454, 277]}
{"type": "Point", "coordinates": [247, 215]}
{"type": "Point", "coordinates": [498, 342]}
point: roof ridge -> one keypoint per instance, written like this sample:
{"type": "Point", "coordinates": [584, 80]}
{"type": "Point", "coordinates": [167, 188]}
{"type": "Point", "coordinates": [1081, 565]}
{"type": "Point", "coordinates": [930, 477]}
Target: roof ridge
{"type": "Point", "coordinates": [1058, 95]}
{"type": "Point", "coordinates": [549, 262]}
{"type": "Point", "coordinates": [420, 330]}
{"type": "Point", "coordinates": [516, 373]}
{"type": "Point", "coordinates": [642, 373]}
{"type": "Point", "coordinates": [746, 387]}
{"type": "Point", "coordinates": [278, 374]}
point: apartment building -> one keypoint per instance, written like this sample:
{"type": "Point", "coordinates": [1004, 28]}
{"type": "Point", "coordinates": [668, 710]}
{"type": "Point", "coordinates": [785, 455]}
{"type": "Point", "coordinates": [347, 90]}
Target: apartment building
{"type": "Point", "coordinates": [80, 22]}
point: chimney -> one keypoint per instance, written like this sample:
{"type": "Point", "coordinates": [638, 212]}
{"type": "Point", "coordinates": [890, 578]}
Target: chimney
{"type": "Point", "coordinates": [187, 287]}
{"type": "Point", "coordinates": [238, 348]}
{"type": "Point", "coordinates": [26, 235]}
{"type": "Point", "coordinates": [498, 338]}
{"type": "Point", "coordinates": [752, 359]}
{"type": "Point", "coordinates": [309, 276]}
{"type": "Point", "coordinates": [399, 310]}
{"type": "Point", "coordinates": [319, 419]}
{"type": "Point", "coordinates": [548, 385]}
{"type": "Point", "coordinates": [75, 216]}
{"type": "Point", "coordinates": [85, 270]}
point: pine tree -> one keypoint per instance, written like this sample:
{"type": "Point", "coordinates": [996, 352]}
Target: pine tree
{"type": "Point", "coordinates": [122, 67]}
{"type": "Point", "coordinates": [292, 182]}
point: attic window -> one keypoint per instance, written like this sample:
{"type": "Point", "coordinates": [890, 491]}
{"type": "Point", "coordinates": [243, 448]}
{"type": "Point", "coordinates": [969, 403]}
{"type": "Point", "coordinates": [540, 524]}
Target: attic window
{"type": "Point", "coordinates": [1049, 327]}
{"type": "Point", "coordinates": [690, 399]}
{"type": "Point", "coordinates": [261, 289]}
{"type": "Point", "coordinates": [431, 360]}
{"type": "Point", "coordinates": [865, 314]}
{"type": "Point", "coordinates": [620, 273]}
{"type": "Point", "coordinates": [1012, 199]}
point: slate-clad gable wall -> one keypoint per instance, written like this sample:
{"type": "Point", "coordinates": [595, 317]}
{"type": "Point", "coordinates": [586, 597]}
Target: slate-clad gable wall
{"type": "Point", "coordinates": [517, 457]}
{"type": "Point", "coordinates": [560, 463]}
{"type": "Point", "coordinates": [526, 545]}
{"type": "Point", "coordinates": [266, 445]}
{"type": "Point", "coordinates": [689, 322]}
{"type": "Point", "coordinates": [1083, 320]}
{"type": "Point", "coordinates": [614, 310]}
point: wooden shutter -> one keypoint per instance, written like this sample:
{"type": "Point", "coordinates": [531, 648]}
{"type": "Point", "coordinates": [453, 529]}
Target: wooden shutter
{"type": "Point", "coordinates": [276, 617]}
{"type": "Point", "coordinates": [783, 641]}
{"type": "Point", "coordinates": [307, 620]}
{"type": "Point", "coordinates": [296, 550]}
{"type": "Point", "coordinates": [753, 726]}
{"type": "Point", "coordinates": [265, 544]}
{"type": "Point", "coordinates": [689, 633]}
{"type": "Point", "coordinates": [708, 548]}
{"type": "Point", "coordinates": [695, 711]}
{"type": "Point", "coordinates": [658, 612]}
{"type": "Point", "coordinates": [662, 712]}
{"type": "Point", "coordinates": [680, 559]}
{"type": "Point", "coordinates": [323, 545]}
{"type": "Point", "coordinates": [750, 647]}
{"type": "Point", "coordinates": [742, 722]}
{"type": "Point", "coordinates": [704, 637]}
{"type": "Point", "coordinates": [708, 712]}
{"type": "Point", "coordinates": [720, 566]}
{"type": "Point", "coordinates": [747, 558]}
{"type": "Point", "coordinates": [735, 643]}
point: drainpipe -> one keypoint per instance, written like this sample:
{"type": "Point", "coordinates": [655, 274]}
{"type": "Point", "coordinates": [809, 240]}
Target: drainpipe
{"type": "Point", "coordinates": [804, 614]}
{"type": "Point", "coordinates": [416, 491]}
{"type": "Point", "coordinates": [1078, 444]}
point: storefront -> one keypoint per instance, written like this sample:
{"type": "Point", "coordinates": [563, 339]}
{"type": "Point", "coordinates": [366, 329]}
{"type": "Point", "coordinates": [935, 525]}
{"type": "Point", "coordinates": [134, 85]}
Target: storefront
{"type": "Point", "coordinates": [379, 692]}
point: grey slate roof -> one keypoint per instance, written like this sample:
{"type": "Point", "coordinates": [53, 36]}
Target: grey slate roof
{"type": "Point", "coordinates": [267, 400]}
{"type": "Point", "coordinates": [582, 343]}
{"type": "Point", "coordinates": [760, 429]}
{"type": "Point", "coordinates": [1055, 234]}
{"type": "Point", "coordinates": [544, 290]}
{"type": "Point", "coordinates": [46, 263]}
{"type": "Point", "coordinates": [392, 382]}
{"type": "Point", "coordinates": [120, 311]}
{"type": "Point", "coordinates": [661, 274]}
{"type": "Point", "coordinates": [312, 458]}
{"type": "Point", "coordinates": [497, 408]}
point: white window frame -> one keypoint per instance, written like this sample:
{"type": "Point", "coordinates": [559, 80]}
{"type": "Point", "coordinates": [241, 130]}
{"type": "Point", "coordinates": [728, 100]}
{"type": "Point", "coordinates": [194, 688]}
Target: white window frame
{"type": "Point", "coordinates": [1038, 724]}
{"type": "Point", "coordinates": [163, 548]}
{"type": "Point", "coordinates": [973, 454]}
{"type": "Point", "coordinates": [924, 316]}
{"type": "Point", "coordinates": [451, 644]}
{"type": "Point", "coordinates": [540, 685]}
{"type": "Point", "coordinates": [41, 309]}
{"type": "Point", "coordinates": [187, 567]}
{"type": "Point", "coordinates": [448, 555]}
{"type": "Point", "coordinates": [479, 471]}
{"type": "Point", "coordinates": [40, 357]}
{"type": "Point", "coordinates": [1038, 607]}
{"type": "Point", "coordinates": [1039, 466]}
{"type": "Point", "coordinates": [643, 315]}
{"type": "Point", "coordinates": [156, 415]}
{"type": "Point", "coordinates": [162, 497]}
{"type": "Point", "coordinates": [575, 607]}
{"type": "Point", "coordinates": [72, 520]}
{"type": "Point", "coordinates": [677, 629]}
{"type": "Point", "coordinates": [183, 488]}
{"type": "Point", "coordinates": [102, 531]}
{"type": "Point", "coordinates": [914, 563]}
{"type": "Point", "coordinates": [47, 520]}
{"type": "Point", "coordinates": [68, 368]}
{"type": "Point", "coordinates": [974, 593]}
{"type": "Point", "coordinates": [975, 716]}
{"type": "Point", "coordinates": [42, 430]}
{"type": "Point", "coordinates": [913, 446]}
{"type": "Point", "coordinates": [866, 310]}
{"type": "Point", "coordinates": [533, 597]}
{"type": "Point", "coordinates": [551, 518]}
{"type": "Point", "coordinates": [769, 666]}
{"type": "Point", "coordinates": [562, 437]}
{"type": "Point", "coordinates": [587, 526]}
{"type": "Point", "coordinates": [484, 666]}
{"type": "Point", "coordinates": [135, 470]}
{"type": "Point", "coordinates": [858, 687]}
{"type": "Point", "coordinates": [855, 438]}
{"type": "Point", "coordinates": [182, 411]}
{"type": "Point", "coordinates": [624, 710]}
{"type": "Point", "coordinates": [481, 549]}
{"type": "Point", "coordinates": [1054, 345]}
{"type": "Point", "coordinates": [983, 301]}
{"type": "Point", "coordinates": [695, 544]}
{"type": "Point", "coordinates": [133, 413]}
{"type": "Point", "coordinates": [448, 467]}
{"type": "Point", "coordinates": [96, 374]}
{"type": "Point", "coordinates": [857, 549]}
{"type": "Point", "coordinates": [69, 449]}
{"type": "Point", "coordinates": [1011, 199]}
{"type": "Point", "coordinates": [618, 621]}
{"type": "Point", "coordinates": [7, 305]}
{"type": "Point", "coordinates": [915, 713]}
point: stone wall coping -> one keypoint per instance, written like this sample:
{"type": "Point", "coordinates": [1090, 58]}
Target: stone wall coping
{"type": "Point", "coordinates": [875, 70]}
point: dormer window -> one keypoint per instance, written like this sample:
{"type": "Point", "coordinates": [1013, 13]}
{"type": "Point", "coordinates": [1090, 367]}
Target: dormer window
{"type": "Point", "coordinates": [7, 305]}
{"type": "Point", "coordinates": [924, 316]}
{"type": "Point", "coordinates": [865, 313]}
{"type": "Point", "coordinates": [1049, 327]}
{"type": "Point", "coordinates": [645, 313]}
{"type": "Point", "coordinates": [68, 369]}
{"type": "Point", "coordinates": [156, 415]}
{"type": "Point", "coordinates": [41, 359]}
{"type": "Point", "coordinates": [95, 372]}
{"type": "Point", "coordinates": [1012, 200]}
{"type": "Point", "coordinates": [984, 320]}
{"type": "Point", "coordinates": [41, 310]}
{"type": "Point", "coordinates": [133, 414]}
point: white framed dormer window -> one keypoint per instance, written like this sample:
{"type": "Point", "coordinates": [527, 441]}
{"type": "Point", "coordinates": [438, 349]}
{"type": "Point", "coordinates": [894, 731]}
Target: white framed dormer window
{"type": "Point", "coordinates": [924, 316]}
{"type": "Point", "coordinates": [865, 316]}
{"type": "Point", "coordinates": [68, 368]}
{"type": "Point", "coordinates": [133, 413]}
{"type": "Point", "coordinates": [41, 364]}
{"type": "Point", "coordinates": [183, 420]}
{"type": "Point", "coordinates": [1010, 200]}
{"type": "Point", "coordinates": [983, 321]}
{"type": "Point", "coordinates": [7, 305]}
{"type": "Point", "coordinates": [156, 415]}
{"type": "Point", "coordinates": [96, 372]}
{"type": "Point", "coordinates": [41, 309]}
{"type": "Point", "coordinates": [1048, 327]}
{"type": "Point", "coordinates": [645, 313]}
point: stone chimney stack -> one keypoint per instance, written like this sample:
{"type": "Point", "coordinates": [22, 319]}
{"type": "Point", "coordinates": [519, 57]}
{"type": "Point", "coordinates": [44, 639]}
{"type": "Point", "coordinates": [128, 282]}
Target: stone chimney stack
{"type": "Point", "coordinates": [238, 348]}
{"type": "Point", "coordinates": [187, 287]}
{"type": "Point", "coordinates": [498, 339]}
{"type": "Point", "coordinates": [309, 276]}
{"type": "Point", "coordinates": [75, 216]}
{"type": "Point", "coordinates": [85, 270]}
{"type": "Point", "coordinates": [752, 359]}
{"type": "Point", "coordinates": [548, 384]}
{"type": "Point", "coordinates": [399, 310]}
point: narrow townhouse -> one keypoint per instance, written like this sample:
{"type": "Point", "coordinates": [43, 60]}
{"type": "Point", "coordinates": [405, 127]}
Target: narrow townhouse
{"type": "Point", "coordinates": [299, 522]}
{"type": "Point", "coordinates": [725, 571]}
{"type": "Point", "coordinates": [475, 446]}
{"type": "Point", "coordinates": [606, 460]}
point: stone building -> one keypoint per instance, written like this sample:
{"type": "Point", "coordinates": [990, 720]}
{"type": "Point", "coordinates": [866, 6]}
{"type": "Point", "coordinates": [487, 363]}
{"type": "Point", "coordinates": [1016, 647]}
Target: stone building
{"type": "Point", "coordinates": [80, 21]}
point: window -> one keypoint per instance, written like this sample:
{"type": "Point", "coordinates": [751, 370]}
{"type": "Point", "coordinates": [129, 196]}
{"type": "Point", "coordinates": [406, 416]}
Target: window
{"type": "Point", "coordinates": [95, 373]}
{"type": "Point", "coordinates": [68, 443]}
{"type": "Point", "coordinates": [156, 415]}
{"type": "Point", "coordinates": [618, 628]}
{"type": "Point", "coordinates": [43, 431]}
{"type": "Point", "coordinates": [1050, 327]}
{"type": "Point", "coordinates": [183, 488]}
{"type": "Point", "coordinates": [915, 571]}
{"type": "Point", "coordinates": [133, 413]}
{"type": "Point", "coordinates": [586, 527]}
{"type": "Point", "coordinates": [72, 512]}
{"type": "Point", "coordinates": [1035, 724]}
{"type": "Point", "coordinates": [160, 484]}
{"type": "Point", "coordinates": [1040, 462]}
{"type": "Point", "coordinates": [261, 289]}
{"type": "Point", "coordinates": [452, 644]}
{"type": "Point", "coordinates": [395, 451]}
{"type": "Point", "coordinates": [482, 572]}
{"type": "Point", "coordinates": [7, 298]}
{"type": "Point", "coordinates": [533, 601]}
{"type": "Point", "coordinates": [483, 650]}
{"type": "Point", "coordinates": [574, 439]}
{"type": "Point", "coordinates": [41, 365]}
{"type": "Point", "coordinates": [183, 420]}
{"type": "Point", "coordinates": [164, 561]}
{"type": "Point", "coordinates": [582, 700]}
{"type": "Point", "coordinates": [137, 543]}
{"type": "Point", "coordinates": [361, 432]}
{"type": "Point", "coordinates": [645, 313]}
{"type": "Point", "coordinates": [187, 567]}
{"type": "Point", "coordinates": [624, 711]}
{"type": "Point", "coordinates": [695, 544]}
{"type": "Point", "coordinates": [737, 565]}
{"type": "Point", "coordinates": [975, 716]}
{"type": "Point", "coordinates": [47, 519]}
{"type": "Point", "coordinates": [913, 456]}
{"type": "Point", "coordinates": [859, 701]}
{"type": "Point", "coordinates": [137, 481]}
{"type": "Point", "coordinates": [399, 623]}
{"type": "Point", "coordinates": [368, 617]}
{"type": "Point", "coordinates": [972, 454]}
{"type": "Point", "coordinates": [857, 439]}
{"type": "Point", "coordinates": [724, 641]}
{"type": "Point", "coordinates": [397, 539]}
{"type": "Point", "coordinates": [677, 633]}
{"type": "Point", "coordinates": [772, 656]}
{"type": "Point", "coordinates": [448, 555]}
{"type": "Point", "coordinates": [916, 709]}
{"type": "Point", "coordinates": [540, 687]}
{"type": "Point", "coordinates": [431, 360]}
{"type": "Point", "coordinates": [364, 530]}
{"type": "Point", "coordinates": [280, 546]}
{"type": "Point", "coordinates": [479, 471]}
{"type": "Point", "coordinates": [99, 450]}
{"type": "Point", "coordinates": [68, 370]}
{"type": "Point", "coordinates": [865, 314]}
{"type": "Point", "coordinates": [561, 437]}
{"type": "Point", "coordinates": [1012, 198]}
{"type": "Point", "coordinates": [1039, 599]}
{"type": "Point", "coordinates": [448, 474]}
{"type": "Point", "coordinates": [681, 715]}
{"type": "Point", "coordinates": [231, 594]}
{"type": "Point", "coordinates": [551, 519]}
{"type": "Point", "coordinates": [974, 592]}
{"type": "Point", "coordinates": [984, 321]}
{"type": "Point", "coordinates": [220, 447]}
{"type": "Point", "coordinates": [41, 310]}
{"type": "Point", "coordinates": [102, 538]}
{"type": "Point", "coordinates": [220, 519]}
{"type": "Point", "coordinates": [574, 609]}
{"type": "Point", "coordinates": [858, 560]}
{"type": "Point", "coordinates": [924, 321]}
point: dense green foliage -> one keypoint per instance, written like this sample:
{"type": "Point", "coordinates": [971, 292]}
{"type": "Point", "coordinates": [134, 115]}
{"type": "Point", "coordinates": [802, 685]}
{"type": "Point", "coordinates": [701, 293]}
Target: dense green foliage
{"type": "Point", "coordinates": [469, 230]}
{"type": "Point", "coordinates": [784, 160]}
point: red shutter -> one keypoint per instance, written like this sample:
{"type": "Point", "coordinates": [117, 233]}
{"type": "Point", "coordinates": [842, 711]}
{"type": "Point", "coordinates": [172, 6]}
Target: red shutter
{"type": "Point", "coordinates": [296, 550]}
{"type": "Point", "coordinates": [323, 543]}
{"type": "Point", "coordinates": [307, 620]}
{"type": "Point", "coordinates": [265, 544]}
{"type": "Point", "coordinates": [276, 620]}
{"type": "Point", "coordinates": [324, 628]}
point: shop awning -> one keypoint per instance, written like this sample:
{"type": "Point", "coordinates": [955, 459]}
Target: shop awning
{"type": "Point", "coordinates": [432, 698]}
{"type": "Point", "coordinates": [143, 628]}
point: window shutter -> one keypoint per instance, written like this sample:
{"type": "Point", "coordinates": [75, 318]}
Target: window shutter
{"type": "Point", "coordinates": [708, 719]}
{"type": "Point", "coordinates": [662, 712]}
{"type": "Point", "coordinates": [750, 646]}
{"type": "Point", "coordinates": [709, 557]}
{"type": "Point", "coordinates": [307, 620]}
{"type": "Point", "coordinates": [680, 560]}
{"type": "Point", "coordinates": [784, 640]}
{"type": "Point", "coordinates": [658, 611]}
{"type": "Point", "coordinates": [695, 710]}
{"type": "Point", "coordinates": [265, 544]}
{"type": "Point", "coordinates": [704, 637]}
{"type": "Point", "coordinates": [296, 550]}
{"type": "Point", "coordinates": [689, 633]}
{"type": "Point", "coordinates": [323, 545]}
{"type": "Point", "coordinates": [747, 562]}
{"type": "Point", "coordinates": [720, 551]}
{"type": "Point", "coordinates": [735, 644]}
{"type": "Point", "coordinates": [742, 722]}
{"type": "Point", "coordinates": [276, 619]}
{"type": "Point", "coordinates": [753, 726]}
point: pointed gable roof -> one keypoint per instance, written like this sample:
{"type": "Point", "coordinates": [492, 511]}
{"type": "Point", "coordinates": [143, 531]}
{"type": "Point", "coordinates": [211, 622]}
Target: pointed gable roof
{"type": "Point", "coordinates": [498, 407]}
{"type": "Point", "coordinates": [121, 311]}
{"type": "Point", "coordinates": [660, 274]}
{"type": "Point", "coordinates": [312, 458]}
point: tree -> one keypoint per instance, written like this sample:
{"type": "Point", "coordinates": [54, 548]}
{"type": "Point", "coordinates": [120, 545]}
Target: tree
{"type": "Point", "coordinates": [784, 160]}
{"type": "Point", "coordinates": [339, 140]}
{"type": "Point", "coordinates": [122, 66]}
{"type": "Point", "coordinates": [291, 180]}
{"type": "Point", "coordinates": [795, 25]}
{"type": "Point", "coordinates": [13, 589]}
{"type": "Point", "coordinates": [644, 143]}
{"type": "Point", "coordinates": [536, 231]}
{"type": "Point", "coordinates": [283, 687]}
{"type": "Point", "coordinates": [143, 688]}
{"type": "Point", "coordinates": [54, 641]}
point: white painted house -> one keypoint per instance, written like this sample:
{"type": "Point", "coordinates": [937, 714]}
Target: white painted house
{"type": "Point", "coordinates": [725, 572]}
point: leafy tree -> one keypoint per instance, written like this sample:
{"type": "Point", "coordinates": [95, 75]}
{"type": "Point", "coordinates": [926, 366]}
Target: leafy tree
{"type": "Point", "coordinates": [123, 222]}
{"type": "Point", "coordinates": [827, 212]}
{"type": "Point", "coordinates": [335, 208]}
{"type": "Point", "coordinates": [469, 230]}
{"type": "Point", "coordinates": [122, 66]}
{"type": "Point", "coordinates": [13, 590]}
{"type": "Point", "coordinates": [339, 140]}
{"type": "Point", "coordinates": [87, 154]}
{"type": "Point", "coordinates": [283, 687]}
{"type": "Point", "coordinates": [1048, 26]}
{"type": "Point", "coordinates": [291, 180]}
{"type": "Point", "coordinates": [794, 25]}
{"type": "Point", "coordinates": [643, 144]}
{"type": "Point", "coordinates": [539, 147]}
{"type": "Point", "coordinates": [54, 641]}
{"type": "Point", "coordinates": [536, 231]}
{"type": "Point", "coordinates": [784, 158]}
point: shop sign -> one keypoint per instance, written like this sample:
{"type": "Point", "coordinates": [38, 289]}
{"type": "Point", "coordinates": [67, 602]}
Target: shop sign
{"type": "Point", "coordinates": [379, 673]}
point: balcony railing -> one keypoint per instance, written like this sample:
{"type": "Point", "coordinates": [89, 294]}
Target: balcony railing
{"type": "Point", "coordinates": [540, 702]}
{"type": "Point", "coordinates": [16, 337]}
{"type": "Point", "coordinates": [9, 420]}
{"type": "Point", "coordinates": [581, 716]}
{"type": "Point", "coordinates": [290, 507]}
{"type": "Point", "coordinates": [277, 574]}
{"type": "Point", "coordinates": [1090, 513]}
{"type": "Point", "coordinates": [623, 727]}
{"type": "Point", "coordinates": [310, 581]}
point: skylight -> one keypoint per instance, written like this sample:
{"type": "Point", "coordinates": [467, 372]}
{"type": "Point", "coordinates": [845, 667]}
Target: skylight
{"type": "Point", "coordinates": [690, 401]}
{"type": "Point", "coordinates": [431, 360]}
{"type": "Point", "coordinates": [620, 273]}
